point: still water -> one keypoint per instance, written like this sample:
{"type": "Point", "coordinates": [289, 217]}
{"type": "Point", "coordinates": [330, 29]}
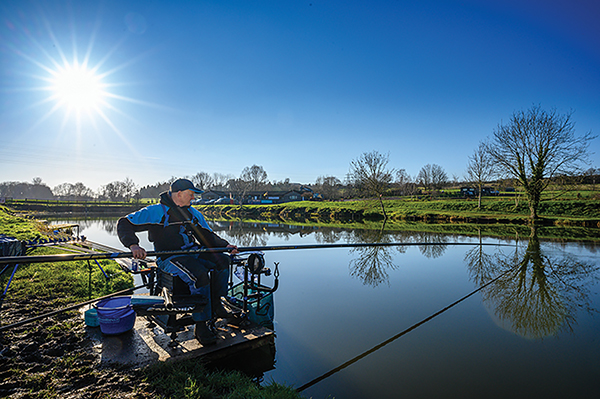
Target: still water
{"type": "Point", "coordinates": [377, 322]}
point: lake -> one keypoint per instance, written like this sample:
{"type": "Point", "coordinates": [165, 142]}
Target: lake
{"type": "Point", "coordinates": [411, 321]}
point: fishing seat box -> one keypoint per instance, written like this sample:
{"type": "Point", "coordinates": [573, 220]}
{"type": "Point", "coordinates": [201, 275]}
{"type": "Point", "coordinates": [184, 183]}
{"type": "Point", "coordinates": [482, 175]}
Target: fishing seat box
{"type": "Point", "coordinates": [174, 284]}
{"type": "Point", "coordinates": [184, 303]}
{"type": "Point", "coordinates": [179, 291]}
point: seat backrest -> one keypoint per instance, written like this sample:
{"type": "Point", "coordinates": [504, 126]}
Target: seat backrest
{"type": "Point", "coordinates": [176, 285]}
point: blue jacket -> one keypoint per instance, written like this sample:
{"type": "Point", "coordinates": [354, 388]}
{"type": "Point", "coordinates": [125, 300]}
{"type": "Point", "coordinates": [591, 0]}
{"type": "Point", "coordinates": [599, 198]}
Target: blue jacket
{"type": "Point", "coordinates": [170, 227]}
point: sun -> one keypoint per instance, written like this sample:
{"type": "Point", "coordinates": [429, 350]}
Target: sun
{"type": "Point", "coordinates": [78, 88]}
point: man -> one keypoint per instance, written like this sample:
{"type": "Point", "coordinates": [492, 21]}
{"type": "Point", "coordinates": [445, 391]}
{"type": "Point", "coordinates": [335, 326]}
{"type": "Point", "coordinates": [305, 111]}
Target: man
{"type": "Point", "coordinates": [173, 224]}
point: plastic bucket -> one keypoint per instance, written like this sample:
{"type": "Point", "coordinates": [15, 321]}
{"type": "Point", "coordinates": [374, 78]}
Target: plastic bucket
{"type": "Point", "coordinates": [115, 315]}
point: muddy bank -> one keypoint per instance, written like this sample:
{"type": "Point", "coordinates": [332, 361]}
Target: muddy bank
{"type": "Point", "coordinates": [54, 358]}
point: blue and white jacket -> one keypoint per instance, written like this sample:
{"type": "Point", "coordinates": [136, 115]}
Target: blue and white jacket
{"type": "Point", "coordinates": [170, 227]}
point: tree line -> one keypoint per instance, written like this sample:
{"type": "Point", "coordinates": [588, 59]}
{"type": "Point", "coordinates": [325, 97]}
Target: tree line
{"type": "Point", "coordinates": [252, 179]}
{"type": "Point", "coordinates": [534, 148]}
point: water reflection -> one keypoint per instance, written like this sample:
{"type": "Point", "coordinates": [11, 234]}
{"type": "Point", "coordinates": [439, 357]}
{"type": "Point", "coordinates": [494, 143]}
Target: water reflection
{"type": "Point", "coordinates": [107, 224]}
{"type": "Point", "coordinates": [541, 294]}
{"type": "Point", "coordinates": [433, 244]}
{"type": "Point", "coordinates": [371, 263]}
{"type": "Point", "coordinates": [244, 237]}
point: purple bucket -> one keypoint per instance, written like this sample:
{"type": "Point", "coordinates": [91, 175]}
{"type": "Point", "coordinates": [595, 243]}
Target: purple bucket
{"type": "Point", "coordinates": [115, 315]}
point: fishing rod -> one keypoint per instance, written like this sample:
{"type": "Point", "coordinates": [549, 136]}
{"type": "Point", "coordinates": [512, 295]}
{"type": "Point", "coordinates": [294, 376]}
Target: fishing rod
{"type": "Point", "coordinates": [114, 255]}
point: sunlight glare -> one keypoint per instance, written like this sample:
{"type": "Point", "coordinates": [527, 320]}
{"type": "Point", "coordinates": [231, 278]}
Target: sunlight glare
{"type": "Point", "coordinates": [78, 88]}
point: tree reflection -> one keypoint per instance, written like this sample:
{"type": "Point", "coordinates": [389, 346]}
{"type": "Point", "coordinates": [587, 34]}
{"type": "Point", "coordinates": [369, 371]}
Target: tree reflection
{"type": "Point", "coordinates": [372, 263]}
{"type": "Point", "coordinates": [329, 236]}
{"type": "Point", "coordinates": [430, 247]}
{"type": "Point", "coordinates": [540, 293]}
{"type": "Point", "coordinates": [245, 235]}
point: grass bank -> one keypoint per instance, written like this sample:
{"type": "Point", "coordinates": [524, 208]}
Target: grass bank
{"type": "Point", "coordinates": [569, 212]}
{"type": "Point", "coordinates": [572, 219]}
{"type": "Point", "coordinates": [48, 358]}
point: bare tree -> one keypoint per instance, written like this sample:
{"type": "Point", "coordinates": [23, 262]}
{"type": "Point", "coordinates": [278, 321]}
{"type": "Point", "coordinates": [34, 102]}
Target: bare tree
{"type": "Point", "coordinates": [239, 188]}
{"type": "Point", "coordinates": [534, 146]}
{"type": "Point", "coordinates": [77, 191]}
{"type": "Point", "coordinates": [403, 181]}
{"type": "Point", "coordinates": [111, 191]}
{"type": "Point", "coordinates": [481, 168]}
{"type": "Point", "coordinates": [432, 177]}
{"type": "Point", "coordinates": [328, 186]}
{"type": "Point", "coordinates": [119, 190]}
{"type": "Point", "coordinates": [129, 189]}
{"type": "Point", "coordinates": [203, 180]}
{"type": "Point", "coordinates": [220, 180]}
{"type": "Point", "coordinates": [370, 174]}
{"type": "Point", "coordinates": [256, 176]}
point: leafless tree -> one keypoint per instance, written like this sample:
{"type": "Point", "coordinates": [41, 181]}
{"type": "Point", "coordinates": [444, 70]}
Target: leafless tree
{"type": "Point", "coordinates": [432, 177]}
{"type": "Point", "coordinates": [129, 189]}
{"type": "Point", "coordinates": [404, 182]}
{"type": "Point", "coordinates": [256, 176]}
{"type": "Point", "coordinates": [77, 191]}
{"type": "Point", "coordinates": [481, 168]}
{"type": "Point", "coordinates": [369, 173]}
{"type": "Point", "coordinates": [328, 186]}
{"type": "Point", "coordinates": [203, 181]}
{"type": "Point", "coordinates": [535, 146]}
{"type": "Point", "coordinates": [220, 180]}
{"type": "Point", "coordinates": [119, 190]}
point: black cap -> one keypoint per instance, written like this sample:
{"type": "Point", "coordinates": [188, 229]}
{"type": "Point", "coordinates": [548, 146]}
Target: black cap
{"type": "Point", "coordinates": [184, 184]}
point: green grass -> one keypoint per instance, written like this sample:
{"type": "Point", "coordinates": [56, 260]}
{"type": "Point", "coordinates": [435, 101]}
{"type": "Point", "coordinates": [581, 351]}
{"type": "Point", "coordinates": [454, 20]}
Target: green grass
{"type": "Point", "coordinates": [190, 379]}
{"type": "Point", "coordinates": [66, 282]}
{"type": "Point", "coordinates": [506, 209]}
{"type": "Point", "coordinates": [18, 227]}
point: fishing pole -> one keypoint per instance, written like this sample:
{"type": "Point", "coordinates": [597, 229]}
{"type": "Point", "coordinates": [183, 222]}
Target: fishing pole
{"type": "Point", "coordinates": [114, 255]}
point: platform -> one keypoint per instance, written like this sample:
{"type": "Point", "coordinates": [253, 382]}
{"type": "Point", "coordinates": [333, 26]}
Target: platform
{"type": "Point", "coordinates": [145, 345]}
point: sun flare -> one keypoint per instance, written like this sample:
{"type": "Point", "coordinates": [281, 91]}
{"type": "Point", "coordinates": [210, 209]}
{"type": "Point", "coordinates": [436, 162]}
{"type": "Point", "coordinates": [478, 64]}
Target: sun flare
{"type": "Point", "coordinates": [78, 88]}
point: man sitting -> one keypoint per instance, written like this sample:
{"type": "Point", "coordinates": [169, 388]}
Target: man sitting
{"type": "Point", "coordinates": [173, 224]}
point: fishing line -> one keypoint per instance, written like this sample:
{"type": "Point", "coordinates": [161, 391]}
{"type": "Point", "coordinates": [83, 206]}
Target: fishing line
{"type": "Point", "coordinates": [395, 337]}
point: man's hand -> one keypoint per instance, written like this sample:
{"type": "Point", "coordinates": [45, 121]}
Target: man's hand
{"type": "Point", "coordinates": [138, 252]}
{"type": "Point", "coordinates": [233, 249]}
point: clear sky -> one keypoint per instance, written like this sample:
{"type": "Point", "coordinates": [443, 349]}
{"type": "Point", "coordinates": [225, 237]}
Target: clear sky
{"type": "Point", "coordinates": [100, 91]}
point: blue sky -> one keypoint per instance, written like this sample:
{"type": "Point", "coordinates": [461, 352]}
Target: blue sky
{"type": "Point", "coordinates": [298, 87]}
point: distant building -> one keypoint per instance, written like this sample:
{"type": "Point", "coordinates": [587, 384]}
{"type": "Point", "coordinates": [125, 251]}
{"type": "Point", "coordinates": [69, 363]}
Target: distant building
{"type": "Point", "coordinates": [253, 197]}
{"type": "Point", "coordinates": [213, 195]}
{"type": "Point", "coordinates": [272, 197]}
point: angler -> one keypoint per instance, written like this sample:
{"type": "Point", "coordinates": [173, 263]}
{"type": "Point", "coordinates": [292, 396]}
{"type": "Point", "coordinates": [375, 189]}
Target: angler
{"type": "Point", "coordinates": [173, 224]}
